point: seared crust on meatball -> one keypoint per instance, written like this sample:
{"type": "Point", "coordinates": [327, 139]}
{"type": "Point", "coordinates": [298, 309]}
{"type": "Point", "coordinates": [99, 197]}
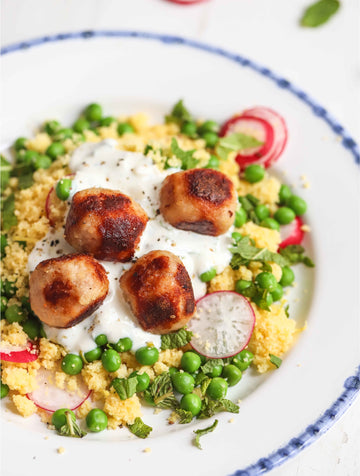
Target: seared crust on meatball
{"type": "Point", "coordinates": [199, 200]}
{"type": "Point", "coordinates": [105, 223]}
{"type": "Point", "coordinates": [66, 290]}
{"type": "Point", "coordinates": [159, 292]}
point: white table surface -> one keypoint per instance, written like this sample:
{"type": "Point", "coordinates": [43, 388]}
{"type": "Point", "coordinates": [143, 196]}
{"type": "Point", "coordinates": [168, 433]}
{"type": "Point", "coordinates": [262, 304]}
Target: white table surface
{"type": "Point", "coordinates": [323, 61]}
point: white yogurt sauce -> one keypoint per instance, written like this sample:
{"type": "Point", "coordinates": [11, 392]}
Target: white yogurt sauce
{"type": "Point", "coordinates": [102, 165]}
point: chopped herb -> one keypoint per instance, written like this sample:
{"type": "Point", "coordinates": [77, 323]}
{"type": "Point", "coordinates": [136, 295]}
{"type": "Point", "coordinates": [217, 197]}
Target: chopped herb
{"type": "Point", "coordinates": [248, 203]}
{"type": "Point", "coordinates": [209, 407]}
{"type": "Point", "coordinates": [186, 156]}
{"type": "Point", "coordinates": [139, 428]}
{"type": "Point", "coordinates": [275, 360]}
{"type": "Point", "coordinates": [71, 428]}
{"type": "Point", "coordinates": [295, 254]}
{"type": "Point", "coordinates": [174, 340]}
{"type": "Point", "coordinates": [148, 148]}
{"type": "Point", "coordinates": [235, 143]}
{"type": "Point", "coordinates": [125, 387]}
{"type": "Point", "coordinates": [179, 114]}
{"type": "Point", "coordinates": [204, 431]}
{"type": "Point", "coordinates": [5, 168]}
{"type": "Point", "coordinates": [160, 393]}
{"type": "Point", "coordinates": [200, 377]}
{"type": "Point", "coordinates": [204, 385]}
{"type": "Point", "coordinates": [8, 216]}
{"type": "Point", "coordinates": [244, 252]}
{"type": "Point", "coordinates": [25, 181]}
{"type": "Point", "coordinates": [185, 416]}
{"type": "Point", "coordinates": [286, 309]}
{"type": "Point", "coordinates": [266, 267]}
{"type": "Point", "coordinates": [210, 365]}
{"type": "Point", "coordinates": [319, 13]}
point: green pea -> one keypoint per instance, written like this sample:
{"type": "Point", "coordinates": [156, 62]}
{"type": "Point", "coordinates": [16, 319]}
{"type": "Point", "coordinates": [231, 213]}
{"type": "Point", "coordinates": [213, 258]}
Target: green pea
{"type": "Point", "coordinates": [72, 364]}
{"type": "Point", "coordinates": [111, 360]}
{"type": "Point", "coordinates": [58, 418]}
{"type": "Point", "coordinates": [208, 126]}
{"type": "Point", "coordinates": [240, 217]}
{"type": "Point", "coordinates": [284, 215]}
{"type": "Point", "coordinates": [4, 243]}
{"type": "Point", "coordinates": [278, 292]}
{"type": "Point", "coordinates": [284, 194]}
{"type": "Point", "coordinates": [107, 121]}
{"type": "Point", "coordinates": [190, 362]}
{"type": "Point", "coordinates": [32, 327]}
{"type": "Point", "coordinates": [287, 276]}
{"type": "Point", "coordinates": [216, 371]}
{"type": "Point", "coordinates": [147, 355]}
{"type": "Point", "coordinates": [236, 236]}
{"type": "Point", "coordinates": [143, 381]}
{"type": "Point", "coordinates": [232, 374]}
{"type": "Point", "coordinates": [211, 139]}
{"type": "Point", "coordinates": [266, 280]}
{"type": "Point", "coordinates": [20, 143]}
{"type": "Point", "coordinates": [241, 285]}
{"type": "Point", "coordinates": [28, 158]}
{"type": "Point", "coordinates": [3, 302]}
{"type": "Point", "coordinates": [101, 339]}
{"type": "Point", "coordinates": [15, 313]}
{"type": "Point", "coordinates": [96, 420]}
{"type": "Point", "coordinates": [213, 163]}
{"type": "Point", "coordinates": [217, 388]}
{"type": "Point", "coordinates": [254, 173]}
{"type": "Point", "coordinates": [125, 128]}
{"type": "Point", "coordinates": [183, 382]}
{"type": "Point", "coordinates": [208, 275]}
{"type": "Point", "coordinates": [189, 129]}
{"type": "Point", "coordinates": [94, 354]}
{"type": "Point", "coordinates": [93, 112]}
{"type": "Point", "coordinates": [262, 212]}
{"type": "Point", "coordinates": [81, 125]}
{"type": "Point", "coordinates": [202, 357]}
{"type": "Point", "coordinates": [63, 134]}
{"type": "Point", "coordinates": [243, 360]}
{"type": "Point", "coordinates": [63, 188]}
{"type": "Point", "coordinates": [297, 204]}
{"type": "Point", "coordinates": [42, 162]}
{"type": "Point", "coordinates": [191, 403]}
{"type": "Point", "coordinates": [51, 127]}
{"type": "Point", "coordinates": [9, 288]}
{"type": "Point", "coordinates": [270, 223]}
{"type": "Point", "coordinates": [55, 150]}
{"type": "Point", "coordinates": [123, 345]}
{"type": "Point", "coordinates": [4, 390]}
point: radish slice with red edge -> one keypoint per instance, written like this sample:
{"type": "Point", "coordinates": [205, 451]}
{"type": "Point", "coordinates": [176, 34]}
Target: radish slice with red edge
{"type": "Point", "coordinates": [20, 355]}
{"type": "Point", "coordinates": [49, 397]}
{"type": "Point", "coordinates": [50, 200]}
{"type": "Point", "coordinates": [222, 325]}
{"type": "Point", "coordinates": [186, 2]}
{"type": "Point", "coordinates": [278, 125]}
{"type": "Point", "coordinates": [252, 126]}
{"type": "Point", "coordinates": [292, 234]}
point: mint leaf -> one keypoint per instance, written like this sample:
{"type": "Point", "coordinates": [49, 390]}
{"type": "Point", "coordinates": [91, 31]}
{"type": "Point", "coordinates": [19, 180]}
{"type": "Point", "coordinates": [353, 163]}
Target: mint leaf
{"type": "Point", "coordinates": [186, 156]}
{"type": "Point", "coordinates": [244, 252]}
{"type": "Point", "coordinates": [5, 169]}
{"type": "Point", "coordinates": [125, 387]}
{"type": "Point", "coordinates": [25, 181]}
{"type": "Point", "coordinates": [204, 385]}
{"type": "Point", "coordinates": [319, 13]}
{"type": "Point", "coordinates": [160, 393]}
{"type": "Point", "coordinates": [295, 254]}
{"type": "Point", "coordinates": [179, 114]}
{"type": "Point", "coordinates": [174, 340]}
{"type": "Point", "coordinates": [8, 216]}
{"type": "Point", "coordinates": [139, 428]}
{"type": "Point", "coordinates": [235, 143]}
{"type": "Point", "coordinates": [275, 360]}
{"type": "Point", "coordinates": [210, 365]}
{"type": "Point", "coordinates": [209, 407]}
{"type": "Point", "coordinates": [185, 416]}
{"type": "Point", "coordinates": [200, 433]}
{"type": "Point", "coordinates": [71, 428]}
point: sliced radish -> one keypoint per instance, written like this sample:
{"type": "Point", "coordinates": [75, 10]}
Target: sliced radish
{"type": "Point", "coordinates": [186, 2]}
{"type": "Point", "coordinates": [49, 397]}
{"type": "Point", "coordinates": [291, 234]}
{"type": "Point", "coordinates": [223, 324]}
{"type": "Point", "coordinates": [252, 126]}
{"type": "Point", "coordinates": [51, 201]}
{"type": "Point", "coordinates": [20, 355]}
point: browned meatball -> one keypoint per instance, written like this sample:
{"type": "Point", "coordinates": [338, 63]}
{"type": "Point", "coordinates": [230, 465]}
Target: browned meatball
{"type": "Point", "coordinates": [159, 291]}
{"type": "Point", "coordinates": [199, 200]}
{"type": "Point", "coordinates": [66, 290]}
{"type": "Point", "coordinates": [105, 223]}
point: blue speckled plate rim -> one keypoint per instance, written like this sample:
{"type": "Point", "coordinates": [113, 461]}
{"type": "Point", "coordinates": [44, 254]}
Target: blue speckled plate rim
{"type": "Point", "coordinates": [352, 383]}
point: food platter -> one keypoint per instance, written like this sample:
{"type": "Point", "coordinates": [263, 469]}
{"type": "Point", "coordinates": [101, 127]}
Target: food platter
{"type": "Point", "coordinates": [285, 411]}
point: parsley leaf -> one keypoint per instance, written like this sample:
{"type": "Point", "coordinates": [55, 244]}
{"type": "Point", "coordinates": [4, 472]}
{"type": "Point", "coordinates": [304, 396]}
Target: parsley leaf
{"type": "Point", "coordinates": [295, 254]}
{"type": "Point", "coordinates": [186, 156]}
{"type": "Point", "coordinates": [319, 13]}
{"type": "Point", "coordinates": [179, 114]}
{"type": "Point", "coordinates": [275, 360]}
{"type": "Point", "coordinates": [244, 252]}
{"type": "Point", "coordinates": [234, 143]}
{"type": "Point", "coordinates": [209, 407]}
{"type": "Point", "coordinates": [125, 387]}
{"type": "Point", "coordinates": [71, 428]}
{"type": "Point", "coordinates": [160, 393]}
{"type": "Point", "coordinates": [185, 416]}
{"type": "Point", "coordinates": [204, 431]}
{"type": "Point", "coordinates": [139, 428]}
{"type": "Point", "coordinates": [174, 340]}
{"type": "Point", "coordinates": [8, 216]}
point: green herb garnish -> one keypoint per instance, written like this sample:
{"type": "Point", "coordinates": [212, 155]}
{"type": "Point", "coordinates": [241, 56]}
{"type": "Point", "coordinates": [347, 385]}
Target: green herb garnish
{"type": "Point", "coordinates": [25, 181]}
{"type": "Point", "coordinates": [179, 114]}
{"type": "Point", "coordinates": [295, 254]}
{"type": "Point", "coordinates": [186, 156]}
{"type": "Point", "coordinates": [210, 365]}
{"type": "Point", "coordinates": [204, 431]}
{"type": "Point", "coordinates": [275, 360]}
{"type": "Point", "coordinates": [174, 340]}
{"type": "Point", "coordinates": [160, 393]}
{"type": "Point", "coordinates": [125, 387]}
{"type": "Point", "coordinates": [71, 428]}
{"type": "Point", "coordinates": [235, 143]}
{"type": "Point", "coordinates": [209, 407]}
{"type": "Point", "coordinates": [8, 212]}
{"type": "Point", "coordinates": [319, 13]}
{"type": "Point", "coordinates": [139, 428]}
{"type": "Point", "coordinates": [248, 203]}
{"type": "Point", "coordinates": [184, 416]}
{"type": "Point", "coordinates": [244, 252]}
{"type": "Point", "coordinates": [5, 169]}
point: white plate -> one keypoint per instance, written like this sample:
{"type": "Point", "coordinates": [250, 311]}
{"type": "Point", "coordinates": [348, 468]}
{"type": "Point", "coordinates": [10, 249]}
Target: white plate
{"type": "Point", "coordinates": [286, 410]}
